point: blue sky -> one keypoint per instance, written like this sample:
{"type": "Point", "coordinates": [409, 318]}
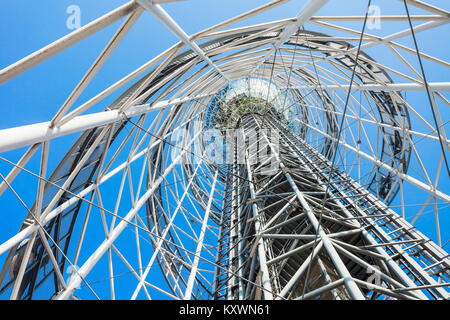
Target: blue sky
{"type": "Point", "coordinates": [34, 96]}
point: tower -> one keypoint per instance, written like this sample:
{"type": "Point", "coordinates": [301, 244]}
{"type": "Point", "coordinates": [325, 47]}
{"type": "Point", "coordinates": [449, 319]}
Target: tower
{"type": "Point", "coordinates": [269, 161]}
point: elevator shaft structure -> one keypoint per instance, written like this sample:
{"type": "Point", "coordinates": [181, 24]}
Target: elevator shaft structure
{"type": "Point", "coordinates": [301, 228]}
{"type": "Point", "coordinates": [335, 146]}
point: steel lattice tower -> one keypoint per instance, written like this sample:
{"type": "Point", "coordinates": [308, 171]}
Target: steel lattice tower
{"type": "Point", "coordinates": [266, 161]}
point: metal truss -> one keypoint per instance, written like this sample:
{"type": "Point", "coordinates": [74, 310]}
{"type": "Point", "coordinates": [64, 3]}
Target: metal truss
{"type": "Point", "coordinates": [139, 207]}
{"type": "Point", "coordinates": [288, 222]}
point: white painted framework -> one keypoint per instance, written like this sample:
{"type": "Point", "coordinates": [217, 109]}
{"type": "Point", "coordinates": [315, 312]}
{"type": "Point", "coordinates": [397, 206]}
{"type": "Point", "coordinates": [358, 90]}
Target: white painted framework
{"type": "Point", "coordinates": [164, 231]}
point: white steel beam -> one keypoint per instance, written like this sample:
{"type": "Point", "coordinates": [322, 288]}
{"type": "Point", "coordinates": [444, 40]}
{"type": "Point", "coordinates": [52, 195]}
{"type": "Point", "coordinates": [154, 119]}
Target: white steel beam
{"type": "Point", "coordinates": [433, 86]}
{"type": "Point", "coordinates": [308, 11]}
{"type": "Point", "coordinates": [162, 238]}
{"type": "Point", "coordinates": [108, 242]}
{"type": "Point", "coordinates": [159, 13]}
{"type": "Point", "coordinates": [349, 282]}
{"type": "Point", "coordinates": [425, 187]}
{"type": "Point", "coordinates": [15, 240]}
{"type": "Point", "coordinates": [265, 275]}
